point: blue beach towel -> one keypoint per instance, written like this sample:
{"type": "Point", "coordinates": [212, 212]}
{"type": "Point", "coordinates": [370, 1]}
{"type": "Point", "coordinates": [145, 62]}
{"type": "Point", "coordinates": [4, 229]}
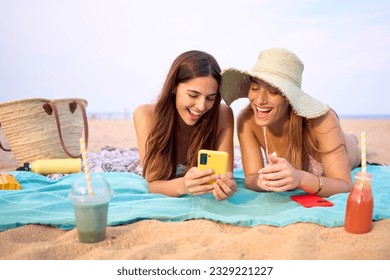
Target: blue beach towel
{"type": "Point", "coordinates": [45, 201]}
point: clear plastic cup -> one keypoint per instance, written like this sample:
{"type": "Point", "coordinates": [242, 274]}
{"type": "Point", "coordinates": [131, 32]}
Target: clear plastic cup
{"type": "Point", "coordinates": [91, 209]}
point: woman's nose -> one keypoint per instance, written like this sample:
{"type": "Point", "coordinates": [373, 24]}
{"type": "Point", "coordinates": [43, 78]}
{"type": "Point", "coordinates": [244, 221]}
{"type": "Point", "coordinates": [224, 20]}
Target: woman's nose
{"type": "Point", "coordinates": [201, 104]}
{"type": "Point", "coordinates": [261, 96]}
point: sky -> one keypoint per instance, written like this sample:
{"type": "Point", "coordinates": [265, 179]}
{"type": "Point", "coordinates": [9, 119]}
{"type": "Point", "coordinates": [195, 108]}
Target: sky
{"type": "Point", "coordinates": [116, 53]}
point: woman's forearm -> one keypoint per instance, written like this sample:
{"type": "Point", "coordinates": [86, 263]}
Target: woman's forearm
{"type": "Point", "coordinates": [172, 187]}
{"type": "Point", "coordinates": [251, 181]}
{"type": "Point", "coordinates": [323, 186]}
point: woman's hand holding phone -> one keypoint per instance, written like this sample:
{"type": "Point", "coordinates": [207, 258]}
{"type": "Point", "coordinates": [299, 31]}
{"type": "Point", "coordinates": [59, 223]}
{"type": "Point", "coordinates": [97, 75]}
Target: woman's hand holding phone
{"type": "Point", "coordinates": [224, 187]}
{"type": "Point", "coordinates": [197, 182]}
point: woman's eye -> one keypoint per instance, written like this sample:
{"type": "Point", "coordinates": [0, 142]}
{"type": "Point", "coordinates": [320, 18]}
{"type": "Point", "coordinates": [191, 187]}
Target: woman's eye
{"type": "Point", "coordinates": [211, 98]}
{"type": "Point", "coordinates": [255, 86]}
{"type": "Point", "coordinates": [273, 90]}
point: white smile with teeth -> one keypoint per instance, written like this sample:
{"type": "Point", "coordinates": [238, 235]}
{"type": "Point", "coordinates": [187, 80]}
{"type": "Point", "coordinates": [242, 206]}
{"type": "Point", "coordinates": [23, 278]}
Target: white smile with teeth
{"type": "Point", "coordinates": [195, 113]}
{"type": "Point", "coordinates": [263, 110]}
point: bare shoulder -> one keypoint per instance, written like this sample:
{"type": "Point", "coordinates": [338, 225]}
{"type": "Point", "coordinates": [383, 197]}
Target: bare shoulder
{"type": "Point", "coordinates": [144, 109]}
{"type": "Point", "coordinates": [245, 117]}
{"type": "Point", "coordinates": [225, 118]}
{"type": "Point", "coordinates": [144, 117]}
{"type": "Point", "coordinates": [144, 112]}
{"type": "Point", "coordinates": [328, 121]}
{"type": "Point", "coordinates": [225, 110]}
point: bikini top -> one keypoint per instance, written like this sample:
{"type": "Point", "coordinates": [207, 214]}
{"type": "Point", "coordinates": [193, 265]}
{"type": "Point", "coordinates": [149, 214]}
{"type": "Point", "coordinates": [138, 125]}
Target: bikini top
{"type": "Point", "coordinates": [180, 170]}
{"type": "Point", "coordinates": [315, 167]}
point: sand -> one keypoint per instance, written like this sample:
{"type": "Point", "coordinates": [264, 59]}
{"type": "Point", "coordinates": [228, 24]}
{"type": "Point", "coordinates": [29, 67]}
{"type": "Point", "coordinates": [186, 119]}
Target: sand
{"type": "Point", "coordinates": [202, 239]}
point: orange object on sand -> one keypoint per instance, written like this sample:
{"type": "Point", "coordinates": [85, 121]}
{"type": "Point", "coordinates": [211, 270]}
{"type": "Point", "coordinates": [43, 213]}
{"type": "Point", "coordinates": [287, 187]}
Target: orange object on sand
{"type": "Point", "coordinates": [8, 182]}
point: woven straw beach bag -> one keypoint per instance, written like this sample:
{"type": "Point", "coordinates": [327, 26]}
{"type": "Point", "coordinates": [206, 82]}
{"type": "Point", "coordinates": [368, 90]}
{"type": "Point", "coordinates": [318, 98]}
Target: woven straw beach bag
{"type": "Point", "coordinates": [44, 129]}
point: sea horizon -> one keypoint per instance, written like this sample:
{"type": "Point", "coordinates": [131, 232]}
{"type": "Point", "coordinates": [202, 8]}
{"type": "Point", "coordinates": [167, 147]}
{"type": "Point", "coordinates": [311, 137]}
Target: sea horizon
{"type": "Point", "coordinates": [129, 116]}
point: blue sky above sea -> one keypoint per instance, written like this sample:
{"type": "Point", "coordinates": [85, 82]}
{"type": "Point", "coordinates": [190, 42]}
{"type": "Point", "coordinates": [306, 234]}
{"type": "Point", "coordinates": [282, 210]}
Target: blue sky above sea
{"type": "Point", "coordinates": [116, 54]}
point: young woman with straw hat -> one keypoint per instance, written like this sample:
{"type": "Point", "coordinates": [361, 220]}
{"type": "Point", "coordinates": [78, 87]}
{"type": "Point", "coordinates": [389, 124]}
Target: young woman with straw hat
{"type": "Point", "coordinates": [187, 117]}
{"type": "Point", "coordinates": [288, 139]}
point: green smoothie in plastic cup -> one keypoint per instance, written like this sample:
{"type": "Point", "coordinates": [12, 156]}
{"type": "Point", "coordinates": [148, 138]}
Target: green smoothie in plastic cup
{"type": "Point", "coordinates": [91, 209]}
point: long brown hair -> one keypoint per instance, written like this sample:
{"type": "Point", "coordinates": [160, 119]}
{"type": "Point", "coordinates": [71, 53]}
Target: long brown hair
{"type": "Point", "coordinates": [161, 147]}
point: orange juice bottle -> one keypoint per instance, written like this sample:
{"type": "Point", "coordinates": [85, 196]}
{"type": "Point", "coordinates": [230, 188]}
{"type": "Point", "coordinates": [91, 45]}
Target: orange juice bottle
{"type": "Point", "coordinates": [360, 205]}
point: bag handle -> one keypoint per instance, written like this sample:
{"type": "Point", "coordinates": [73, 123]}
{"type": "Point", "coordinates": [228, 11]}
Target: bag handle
{"type": "Point", "coordinates": [1, 146]}
{"type": "Point", "coordinates": [51, 107]}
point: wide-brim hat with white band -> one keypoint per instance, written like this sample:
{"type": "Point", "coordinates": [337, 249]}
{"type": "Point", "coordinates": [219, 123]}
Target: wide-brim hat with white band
{"type": "Point", "coordinates": [281, 69]}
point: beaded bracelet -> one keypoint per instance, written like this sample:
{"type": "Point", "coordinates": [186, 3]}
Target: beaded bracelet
{"type": "Point", "coordinates": [320, 183]}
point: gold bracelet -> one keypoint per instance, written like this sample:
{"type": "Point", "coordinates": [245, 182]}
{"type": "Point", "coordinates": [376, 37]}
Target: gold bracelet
{"type": "Point", "coordinates": [320, 184]}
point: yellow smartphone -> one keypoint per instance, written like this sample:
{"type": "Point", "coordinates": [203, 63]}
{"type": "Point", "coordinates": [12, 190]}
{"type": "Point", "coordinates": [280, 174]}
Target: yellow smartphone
{"type": "Point", "coordinates": [215, 160]}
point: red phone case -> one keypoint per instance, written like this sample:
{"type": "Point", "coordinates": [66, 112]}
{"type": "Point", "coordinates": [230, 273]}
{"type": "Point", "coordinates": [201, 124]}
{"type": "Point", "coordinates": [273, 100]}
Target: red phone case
{"type": "Point", "coordinates": [311, 200]}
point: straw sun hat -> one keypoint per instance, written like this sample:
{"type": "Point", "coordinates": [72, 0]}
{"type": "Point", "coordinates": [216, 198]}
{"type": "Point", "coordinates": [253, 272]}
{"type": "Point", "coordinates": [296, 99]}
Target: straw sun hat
{"type": "Point", "coordinates": [281, 69]}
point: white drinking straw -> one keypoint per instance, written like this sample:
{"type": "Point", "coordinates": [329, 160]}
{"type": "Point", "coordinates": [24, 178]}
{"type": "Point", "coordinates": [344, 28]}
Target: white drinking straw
{"type": "Point", "coordinates": [85, 163]}
{"type": "Point", "coordinates": [363, 151]}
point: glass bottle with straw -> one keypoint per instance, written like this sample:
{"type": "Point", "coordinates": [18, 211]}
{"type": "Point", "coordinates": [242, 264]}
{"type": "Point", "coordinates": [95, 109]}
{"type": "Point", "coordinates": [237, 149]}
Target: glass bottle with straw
{"type": "Point", "coordinates": [360, 203]}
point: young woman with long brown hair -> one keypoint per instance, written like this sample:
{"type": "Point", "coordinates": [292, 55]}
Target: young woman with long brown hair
{"type": "Point", "coordinates": [288, 139]}
{"type": "Point", "coordinates": [187, 117]}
